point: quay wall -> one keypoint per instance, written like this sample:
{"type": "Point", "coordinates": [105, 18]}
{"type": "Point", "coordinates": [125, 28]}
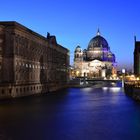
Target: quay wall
{"type": "Point", "coordinates": [132, 90]}
{"type": "Point", "coordinates": [13, 91]}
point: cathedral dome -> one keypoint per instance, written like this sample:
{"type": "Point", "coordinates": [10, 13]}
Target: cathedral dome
{"type": "Point", "coordinates": [98, 42]}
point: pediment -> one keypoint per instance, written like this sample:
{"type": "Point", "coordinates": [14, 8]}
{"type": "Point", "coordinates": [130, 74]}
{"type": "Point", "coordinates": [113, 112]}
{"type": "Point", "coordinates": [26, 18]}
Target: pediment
{"type": "Point", "coordinates": [96, 63]}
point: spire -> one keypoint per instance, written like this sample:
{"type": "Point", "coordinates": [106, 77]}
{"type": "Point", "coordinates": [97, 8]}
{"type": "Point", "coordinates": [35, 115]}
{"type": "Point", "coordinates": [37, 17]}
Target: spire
{"type": "Point", "coordinates": [135, 38]}
{"type": "Point", "coordinates": [48, 35]}
{"type": "Point", "coordinates": [98, 32]}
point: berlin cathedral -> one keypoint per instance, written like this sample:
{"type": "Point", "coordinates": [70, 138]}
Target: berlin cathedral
{"type": "Point", "coordinates": [97, 61]}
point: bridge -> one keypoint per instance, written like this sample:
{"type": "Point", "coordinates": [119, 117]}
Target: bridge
{"type": "Point", "coordinates": [89, 82]}
{"type": "Point", "coordinates": [105, 80]}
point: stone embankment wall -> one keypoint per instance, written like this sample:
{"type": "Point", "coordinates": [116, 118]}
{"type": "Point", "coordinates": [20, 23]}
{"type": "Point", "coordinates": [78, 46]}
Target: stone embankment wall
{"type": "Point", "coordinates": [133, 90]}
{"type": "Point", "coordinates": [12, 91]}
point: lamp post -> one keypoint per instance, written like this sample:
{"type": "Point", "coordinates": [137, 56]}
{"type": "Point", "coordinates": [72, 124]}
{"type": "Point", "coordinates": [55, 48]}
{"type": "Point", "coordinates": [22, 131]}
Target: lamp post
{"type": "Point", "coordinates": [123, 76]}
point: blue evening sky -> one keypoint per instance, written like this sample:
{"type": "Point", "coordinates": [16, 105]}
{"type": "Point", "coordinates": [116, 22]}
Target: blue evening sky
{"type": "Point", "coordinates": [76, 22]}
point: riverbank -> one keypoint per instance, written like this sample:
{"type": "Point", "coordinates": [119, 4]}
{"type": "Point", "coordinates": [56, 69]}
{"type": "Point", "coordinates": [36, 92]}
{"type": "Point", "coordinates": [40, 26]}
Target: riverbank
{"type": "Point", "coordinates": [16, 90]}
{"type": "Point", "coordinates": [132, 89]}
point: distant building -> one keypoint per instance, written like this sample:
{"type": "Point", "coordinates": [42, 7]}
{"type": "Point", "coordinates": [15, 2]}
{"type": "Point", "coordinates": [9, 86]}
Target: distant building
{"type": "Point", "coordinates": [29, 62]}
{"type": "Point", "coordinates": [137, 58]}
{"type": "Point", "coordinates": [95, 61]}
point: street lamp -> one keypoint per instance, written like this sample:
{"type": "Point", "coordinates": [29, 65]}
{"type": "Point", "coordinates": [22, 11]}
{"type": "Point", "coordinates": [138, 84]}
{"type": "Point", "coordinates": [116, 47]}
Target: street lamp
{"type": "Point", "coordinates": [123, 71]}
{"type": "Point", "coordinates": [123, 75]}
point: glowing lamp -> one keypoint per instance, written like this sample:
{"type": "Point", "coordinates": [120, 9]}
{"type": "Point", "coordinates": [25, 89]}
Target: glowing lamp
{"type": "Point", "coordinates": [123, 71]}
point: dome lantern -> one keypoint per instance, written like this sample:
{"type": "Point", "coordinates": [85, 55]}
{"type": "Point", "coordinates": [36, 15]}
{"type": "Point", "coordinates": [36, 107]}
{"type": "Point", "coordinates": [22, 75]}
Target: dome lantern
{"type": "Point", "coordinates": [98, 32]}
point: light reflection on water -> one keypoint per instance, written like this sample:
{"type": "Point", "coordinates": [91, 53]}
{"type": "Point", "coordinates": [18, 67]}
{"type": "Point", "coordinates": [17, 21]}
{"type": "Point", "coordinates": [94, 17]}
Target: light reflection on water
{"type": "Point", "coordinates": [112, 89]}
{"type": "Point", "coordinates": [115, 89]}
{"type": "Point", "coordinates": [87, 89]}
{"type": "Point", "coordinates": [105, 88]}
{"type": "Point", "coordinates": [92, 113]}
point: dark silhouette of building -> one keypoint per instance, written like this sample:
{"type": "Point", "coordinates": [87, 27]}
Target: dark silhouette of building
{"type": "Point", "coordinates": [29, 62]}
{"type": "Point", "coordinates": [137, 57]}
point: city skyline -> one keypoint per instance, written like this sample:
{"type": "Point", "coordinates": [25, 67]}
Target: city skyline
{"type": "Point", "coordinates": [76, 22]}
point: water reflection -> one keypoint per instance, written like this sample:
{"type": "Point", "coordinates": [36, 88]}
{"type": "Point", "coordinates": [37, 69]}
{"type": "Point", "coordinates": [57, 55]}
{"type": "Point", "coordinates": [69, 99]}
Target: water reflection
{"type": "Point", "coordinates": [105, 88]}
{"type": "Point", "coordinates": [87, 89]}
{"type": "Point", "coordinates": [72, 114]}
{"type": "Point", "coordinates": [112, 89]}
{"type": "Point", "coordinates": [115, 89]}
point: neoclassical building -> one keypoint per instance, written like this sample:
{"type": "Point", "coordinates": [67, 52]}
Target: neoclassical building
{"type": "Point", "coordinates": [29, 62]}
{"type": "Point", "coordinates": [95, 61]}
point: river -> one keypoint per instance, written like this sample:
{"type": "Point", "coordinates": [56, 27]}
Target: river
{"type": "Point", "coordinates": [100, 112]}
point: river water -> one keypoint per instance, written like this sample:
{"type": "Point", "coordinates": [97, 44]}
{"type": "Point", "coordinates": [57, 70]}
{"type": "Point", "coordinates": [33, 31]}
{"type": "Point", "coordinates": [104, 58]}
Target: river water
{"type": "Point", "coordinates": [100, 112]}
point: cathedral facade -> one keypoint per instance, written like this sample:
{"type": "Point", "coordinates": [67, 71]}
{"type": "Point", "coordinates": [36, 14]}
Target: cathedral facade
{"type": "Point", "coordinates": [96, 61]}
{"type": "Point", "coordinates": [30, 63]}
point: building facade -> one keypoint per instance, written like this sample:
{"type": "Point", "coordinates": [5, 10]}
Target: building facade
{"type": "Point", "coordinates": [137, 57]}
{"type": "Point", "coordinates": [29, 62]}
{"type": "Point", "coordinates": [97, 61]}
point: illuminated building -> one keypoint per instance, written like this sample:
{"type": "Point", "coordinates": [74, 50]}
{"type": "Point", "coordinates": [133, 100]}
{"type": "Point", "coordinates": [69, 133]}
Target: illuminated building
{"type": "Point", "coordinates": [30, 63]}
{"type": "Point", "coordinates": [95, 61]}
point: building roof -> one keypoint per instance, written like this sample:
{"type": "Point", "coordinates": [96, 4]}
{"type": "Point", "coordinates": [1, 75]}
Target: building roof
{"type": "Point", "coordinates": [97, 42]}
{"type": "Point", "coordinates": [22, 27]}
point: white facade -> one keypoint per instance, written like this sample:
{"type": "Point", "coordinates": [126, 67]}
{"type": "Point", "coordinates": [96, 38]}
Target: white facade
{"type": "Point", "coordinates": [95, 61]}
